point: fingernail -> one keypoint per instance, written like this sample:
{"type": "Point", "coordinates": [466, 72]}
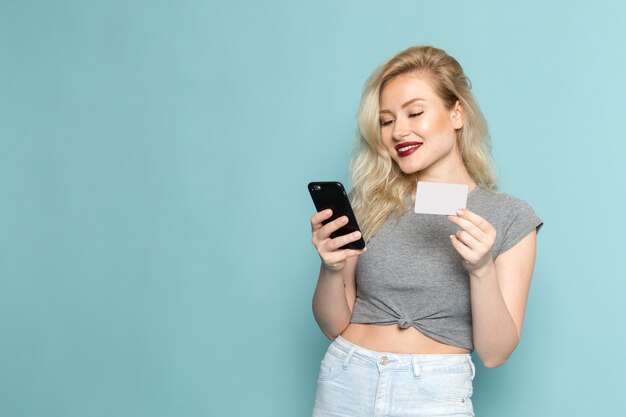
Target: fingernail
{"type": "Point", "coordinates": [459, 212]}
{"type": "Point", "coordinates": [451, 236]}
{"type": "Point", "coordinates": [356, 234]}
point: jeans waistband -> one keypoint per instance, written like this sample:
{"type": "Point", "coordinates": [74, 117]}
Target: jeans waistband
{"type": "Point", "coordinates": [354, 354]}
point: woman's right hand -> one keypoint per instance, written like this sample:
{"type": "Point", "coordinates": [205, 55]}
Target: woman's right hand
{"type": "Point", "coordinates": [333, 258]}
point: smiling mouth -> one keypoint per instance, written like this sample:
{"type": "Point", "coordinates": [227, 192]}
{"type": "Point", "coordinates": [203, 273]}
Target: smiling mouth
{"type": "Point", "coordinates": [407, 148]}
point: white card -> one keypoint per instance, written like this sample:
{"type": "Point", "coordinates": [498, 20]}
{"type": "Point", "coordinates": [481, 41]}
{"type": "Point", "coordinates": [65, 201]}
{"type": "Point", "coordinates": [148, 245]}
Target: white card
{"type": "Point", "coordinates": [440, 198]}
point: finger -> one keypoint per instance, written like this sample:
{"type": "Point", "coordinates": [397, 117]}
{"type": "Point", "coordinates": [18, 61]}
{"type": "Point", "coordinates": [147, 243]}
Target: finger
{"type": "Point", "coordinates": [331, 227]}
{"type": "Point", "coordinates": [461, 248]}
{"type": "Point", "coordinates": [469, 227]}
{"type": "Point", "coordinates": [480, 222]}
{"type": "Point", "coordinates": [354, 252]}
{"type": "Point", "coordinates": [319, 217]}
{"type": "Point", "coordinates": [343, 254]}
{"type": "Point", "coordinates": [340, 241]}
{"type": "Point", "coordinates": [337, 257]}
{"type": "Point", "coordinates": [468, 240]}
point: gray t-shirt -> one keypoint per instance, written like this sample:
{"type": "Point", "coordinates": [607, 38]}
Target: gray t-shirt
{"type": "Point", "coordinates": [412, 276]}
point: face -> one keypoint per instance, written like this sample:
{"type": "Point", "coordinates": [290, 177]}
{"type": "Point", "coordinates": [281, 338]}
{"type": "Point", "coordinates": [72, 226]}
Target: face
{"type": "Point", "coordinates": [417, 129]}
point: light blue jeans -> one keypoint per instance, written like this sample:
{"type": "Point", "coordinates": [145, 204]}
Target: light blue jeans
{"type": "Point", "coordinates": [354, 381]}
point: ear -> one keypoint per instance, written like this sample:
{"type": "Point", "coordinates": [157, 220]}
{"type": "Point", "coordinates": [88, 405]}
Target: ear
{"type": "Point", "coordinates": [458, 115]}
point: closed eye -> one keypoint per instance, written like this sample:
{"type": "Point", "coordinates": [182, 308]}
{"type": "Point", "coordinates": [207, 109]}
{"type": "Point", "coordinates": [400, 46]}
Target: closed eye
{"type": "Point", "coordinates": [415, 114]}
{"type": "Point", "coordinates": [386, 122]}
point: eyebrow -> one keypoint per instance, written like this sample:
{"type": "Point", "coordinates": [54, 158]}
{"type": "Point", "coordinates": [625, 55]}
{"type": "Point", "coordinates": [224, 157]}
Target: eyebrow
{"type": "Point", "coordinates": [413, 100]}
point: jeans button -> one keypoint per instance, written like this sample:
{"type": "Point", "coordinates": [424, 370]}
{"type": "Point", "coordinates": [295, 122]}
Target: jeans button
{"type": "Point", "coordinates": [384, 360]}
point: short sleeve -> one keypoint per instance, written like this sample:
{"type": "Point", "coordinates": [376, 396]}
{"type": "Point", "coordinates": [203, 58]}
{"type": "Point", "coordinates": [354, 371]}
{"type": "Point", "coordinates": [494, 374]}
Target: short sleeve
{"type": "Point", "coordinates": [521, 219]}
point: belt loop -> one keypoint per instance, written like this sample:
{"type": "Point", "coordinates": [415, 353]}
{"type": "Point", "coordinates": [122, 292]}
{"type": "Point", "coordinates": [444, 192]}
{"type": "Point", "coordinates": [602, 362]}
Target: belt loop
{"type": "Point", "coordinates": [469, 359]}
{"type": "Point", "coordinates": [416, 366]}
{"type": "Point", "coordinates": [346, 361]}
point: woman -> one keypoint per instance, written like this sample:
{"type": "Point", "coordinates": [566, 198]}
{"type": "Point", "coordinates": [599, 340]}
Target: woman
{"type": "Point", "coordinates": [406, 312]}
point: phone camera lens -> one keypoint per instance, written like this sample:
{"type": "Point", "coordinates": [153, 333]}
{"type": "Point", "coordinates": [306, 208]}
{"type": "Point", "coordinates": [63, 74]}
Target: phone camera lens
{"type": "Point", "coordinates": [317, 187]}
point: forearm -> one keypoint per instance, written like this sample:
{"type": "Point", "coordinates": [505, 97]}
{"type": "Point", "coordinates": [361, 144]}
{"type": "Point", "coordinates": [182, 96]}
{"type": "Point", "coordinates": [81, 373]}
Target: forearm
{"type": "Point", "coordinates": [330, 304]}
{"type": "Point", "coordinates": [495, 332]}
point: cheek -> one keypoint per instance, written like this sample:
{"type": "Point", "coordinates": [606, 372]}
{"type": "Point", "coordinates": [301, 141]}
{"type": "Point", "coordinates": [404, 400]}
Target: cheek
{"type": "Point", "coordinates": [431, 127]}
{"type": "Point", "coordinates": [385, 138]}
{"type": "Point", "coordinates": [390, 150]}
{"type": "Point", "coordinates": [439, 133]}
{"type": "Point", "coordinates": [423, 126]}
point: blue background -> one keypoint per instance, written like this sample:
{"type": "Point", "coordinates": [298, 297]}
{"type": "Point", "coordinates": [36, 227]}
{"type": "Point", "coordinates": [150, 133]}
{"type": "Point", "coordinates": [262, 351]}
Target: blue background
{"type": "Point", "coordinates": [155, 255]}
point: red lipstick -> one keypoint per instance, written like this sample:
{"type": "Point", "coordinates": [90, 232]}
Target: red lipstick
{"type": "Point", "coordinates": [407, 148]}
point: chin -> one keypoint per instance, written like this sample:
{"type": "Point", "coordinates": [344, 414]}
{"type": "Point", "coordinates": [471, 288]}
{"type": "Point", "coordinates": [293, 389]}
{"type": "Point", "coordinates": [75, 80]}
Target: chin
{"type": "Point", "coordinates": [409, 169]}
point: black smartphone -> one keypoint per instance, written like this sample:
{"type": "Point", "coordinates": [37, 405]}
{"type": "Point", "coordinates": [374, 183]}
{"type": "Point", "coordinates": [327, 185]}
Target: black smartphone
{"type": "Point", "coordinates": [332, 195]}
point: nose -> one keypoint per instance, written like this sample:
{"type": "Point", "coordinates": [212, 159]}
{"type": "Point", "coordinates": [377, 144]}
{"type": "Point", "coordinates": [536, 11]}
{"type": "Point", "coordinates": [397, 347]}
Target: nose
{"type": "Point", "coordinates": [400, 129]}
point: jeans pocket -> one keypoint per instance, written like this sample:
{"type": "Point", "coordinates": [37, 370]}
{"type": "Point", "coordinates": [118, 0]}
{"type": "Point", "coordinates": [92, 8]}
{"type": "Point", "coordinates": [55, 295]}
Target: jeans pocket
{"type": "Point", "coordinates": [455, 387]}
{"type": "Point", "coordinates": [325, 372]}
{"type": "Point", "coordinates": [330, 368]}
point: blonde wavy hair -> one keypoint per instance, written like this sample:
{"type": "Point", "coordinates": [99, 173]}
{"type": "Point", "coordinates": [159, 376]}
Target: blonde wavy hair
{"type": "Point", "coordinates": [380, 188]}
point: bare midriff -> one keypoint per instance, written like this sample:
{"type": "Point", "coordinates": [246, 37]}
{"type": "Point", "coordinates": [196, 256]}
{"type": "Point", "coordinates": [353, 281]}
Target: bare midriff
{"type": "Point", "coordinates": [393, 339]}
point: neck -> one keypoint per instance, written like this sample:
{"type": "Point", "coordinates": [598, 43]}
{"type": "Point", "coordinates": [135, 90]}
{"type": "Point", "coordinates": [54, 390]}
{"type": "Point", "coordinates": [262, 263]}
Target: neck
{"type": "Point", "coordinates": [451, 171]}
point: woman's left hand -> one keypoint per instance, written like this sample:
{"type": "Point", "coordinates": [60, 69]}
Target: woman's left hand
{"type": "Point", "coordinates": [474, 240]}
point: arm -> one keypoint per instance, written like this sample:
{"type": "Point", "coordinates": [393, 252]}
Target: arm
{"type": "Point", "coordinates": [335, 293]}
{"type": "Point", "coordinates": [334, 298]}
{"type": "Point", "coordinates": [499, 289]}
{"type": "Point", "coordinates": [499, 296]}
